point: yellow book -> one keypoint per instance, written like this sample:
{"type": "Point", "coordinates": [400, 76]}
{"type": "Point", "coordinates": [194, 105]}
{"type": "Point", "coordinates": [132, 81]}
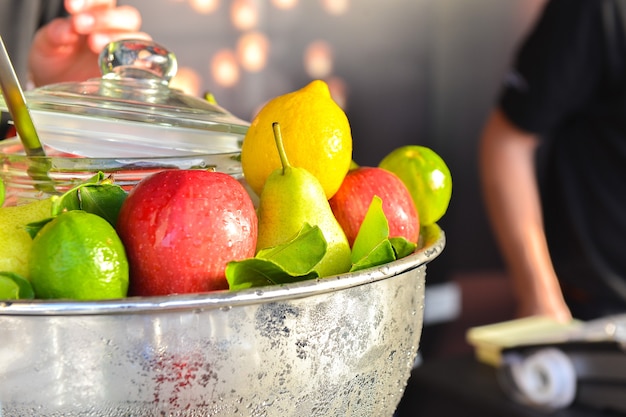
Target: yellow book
{"type": "Point", "coordinates": [489, 340]}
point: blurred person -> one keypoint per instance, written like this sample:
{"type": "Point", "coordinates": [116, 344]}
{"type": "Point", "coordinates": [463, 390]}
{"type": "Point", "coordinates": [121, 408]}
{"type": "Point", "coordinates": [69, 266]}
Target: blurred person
{"type": "Point", "coordinates": [52, 41]}
{"type": "Point", "coordinates": [553, 163]}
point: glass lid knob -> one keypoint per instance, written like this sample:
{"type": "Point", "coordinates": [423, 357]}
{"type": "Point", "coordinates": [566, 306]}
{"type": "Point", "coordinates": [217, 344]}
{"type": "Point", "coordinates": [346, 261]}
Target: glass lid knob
{"type": "Point", "coordinates": [137, 58]}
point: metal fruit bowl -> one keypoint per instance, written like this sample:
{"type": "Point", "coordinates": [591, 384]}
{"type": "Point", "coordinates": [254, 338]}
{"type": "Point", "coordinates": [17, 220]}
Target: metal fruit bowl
{"type": "Point", "coordinates": [338, 346]}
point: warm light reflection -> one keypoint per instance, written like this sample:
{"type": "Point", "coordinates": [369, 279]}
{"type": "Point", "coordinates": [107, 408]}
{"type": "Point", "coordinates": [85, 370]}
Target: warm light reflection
{"type": "Point", "coordinates": [224, 68]}
{"type": "Point", "coordinates": [318, 59]}
{"type": "Point", "coordinates": [252, 51]}
{"type": "Point", "coordinates": [284, 4]}
{"type": "Point", "coordinates": [339, 91]}
{"type": "Point", "coordinates": [244, 14]}
{"type": "Point", "coordinates": [336, 7]}
{"type": "Point", "coordinates": [187, 80]}
{"type": "Point", "coordinates": [437, 179]}
{"type": "Point", "coordinates": [204, 6]}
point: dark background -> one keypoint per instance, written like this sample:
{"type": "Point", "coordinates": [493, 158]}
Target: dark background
{"type": "Point", "coordinates": [412, 72]}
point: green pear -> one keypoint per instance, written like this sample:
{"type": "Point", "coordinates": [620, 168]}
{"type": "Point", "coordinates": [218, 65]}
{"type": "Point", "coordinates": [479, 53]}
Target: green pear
{"type": "Point", "coordinates": [290, 198]}
{"type": "Point", "coordinates": [16, 242]}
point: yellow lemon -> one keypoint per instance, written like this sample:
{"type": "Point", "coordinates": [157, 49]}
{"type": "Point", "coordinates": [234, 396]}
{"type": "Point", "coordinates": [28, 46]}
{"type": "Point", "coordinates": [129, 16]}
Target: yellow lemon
{"type": "Point", "coordinates": [316, 134]}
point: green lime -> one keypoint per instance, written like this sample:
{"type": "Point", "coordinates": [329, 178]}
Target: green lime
{"type": "Point", "coordinates": [78, 255]}
{"type": "Point", "coordinates": [427, 177]}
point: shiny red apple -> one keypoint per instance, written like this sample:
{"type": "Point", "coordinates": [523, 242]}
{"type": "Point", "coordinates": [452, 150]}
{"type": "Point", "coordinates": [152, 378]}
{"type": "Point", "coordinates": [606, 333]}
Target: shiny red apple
{"type": "Point", "coordinates": [181, 227]}
{"type": "Point", "coordinates": [353, 198]}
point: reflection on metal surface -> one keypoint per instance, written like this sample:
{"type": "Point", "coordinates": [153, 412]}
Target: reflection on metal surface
{"type": "Point", "coordinates": [338, 346]}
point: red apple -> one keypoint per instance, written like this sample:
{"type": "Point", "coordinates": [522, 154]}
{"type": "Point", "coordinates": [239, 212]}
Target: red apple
{"type": "Point", "coordinates": [181, 227]}
{"type": "Point", "coordinates": [360, 185]}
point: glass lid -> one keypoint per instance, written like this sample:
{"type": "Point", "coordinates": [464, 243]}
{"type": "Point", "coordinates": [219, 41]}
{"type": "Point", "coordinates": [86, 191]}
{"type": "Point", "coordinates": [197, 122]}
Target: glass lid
{"type": "Point", "coordinates": [131, 110]}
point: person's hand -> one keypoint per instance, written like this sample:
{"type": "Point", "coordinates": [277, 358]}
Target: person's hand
{"type": "Point", "coordinates": [66, 49]}
{"type": "Point", "coordinates": [548, 304]}
{"type": "Point", "coordinates": [512, 199]}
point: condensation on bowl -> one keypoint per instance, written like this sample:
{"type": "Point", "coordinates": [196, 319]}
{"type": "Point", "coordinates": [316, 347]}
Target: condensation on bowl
{"type": "Point", "coordinates": [340, 346]}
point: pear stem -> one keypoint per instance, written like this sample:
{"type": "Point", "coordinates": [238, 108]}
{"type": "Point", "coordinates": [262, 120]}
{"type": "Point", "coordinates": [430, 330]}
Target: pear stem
{"type": "Point", "coordinates": [278, 137]}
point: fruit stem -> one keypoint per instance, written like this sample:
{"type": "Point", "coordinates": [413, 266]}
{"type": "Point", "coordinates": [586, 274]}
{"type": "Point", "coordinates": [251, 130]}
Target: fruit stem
{"type": "Point", "coordinates": [278, 137]}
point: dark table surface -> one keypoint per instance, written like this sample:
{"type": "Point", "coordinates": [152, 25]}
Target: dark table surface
{"type": "Point", "coordinates": [459, 387]}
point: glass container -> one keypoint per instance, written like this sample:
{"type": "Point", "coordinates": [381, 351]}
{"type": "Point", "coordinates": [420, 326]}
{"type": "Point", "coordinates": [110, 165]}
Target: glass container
{"type": "Point", "coordinates": [128, 123]}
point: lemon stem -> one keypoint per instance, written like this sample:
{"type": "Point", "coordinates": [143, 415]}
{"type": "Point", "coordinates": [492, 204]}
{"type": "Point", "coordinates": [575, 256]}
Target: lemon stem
{"type": "Point", "coordinates": [278, 137]}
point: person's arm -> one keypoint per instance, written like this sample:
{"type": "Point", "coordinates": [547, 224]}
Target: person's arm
{"type": "Point", "coordinates": [66, 49]}
{"type": "Point", "coordinates": [514, 208]}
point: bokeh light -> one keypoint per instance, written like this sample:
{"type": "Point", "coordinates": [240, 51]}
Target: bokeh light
{"type": "Point", "coordinates": [244, 14]}
{"type": "Point", "coordinates": [187, 80]}
{"type": "Point", "coordinates": [224, 68]}
{"type": "Point", "coordinates": [284, 4]}
{"type": "Point", "coordinates": [339, 91]}
{"type": "Point", "coordinates": [252, 51]}
{"type": "Point", "coordinates": [318, 59]}
{"type": "Point", "coordinates": [204, 6]}
{"type": "Point", "coordinates": [336, 7]}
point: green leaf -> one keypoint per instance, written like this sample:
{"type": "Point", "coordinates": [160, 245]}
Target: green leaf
{"type": "Point", "coordinates": [9, 290]}
{"type": "Point", "coordinates": [373, 246]}
{"type": "Point", "coordinates": [380, 254]}
{"type": "Point", "coordinates": [97, 195]}
{"type": "Point", "coordinates": [254, 272]}
{"type": "Point", "coordinates": [373, 231]}
{"type": "Point", "coordinates": [105, 200]}
{"type": "Point", "coordinates": [71, 200]}
{"type": "Point", "coordinates": [300, 255]}
{"type": "Point", "coordinates": [292, 261]}
{"type": "Point", "coordinates": [250, 273]}
{"type": "Point", "coordinates": [402, 247]}
{"type": "Point", "coordinates": [34, 227]}
{"type": "Point", "coordinates": [13, 287]}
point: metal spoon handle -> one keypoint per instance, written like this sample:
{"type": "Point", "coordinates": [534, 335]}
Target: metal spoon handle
{"type": "Point", "coordinates": [14, 98]}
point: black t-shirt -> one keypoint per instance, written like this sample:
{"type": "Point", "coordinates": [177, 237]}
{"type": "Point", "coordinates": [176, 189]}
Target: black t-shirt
{"type": "Point", "coordinates": [561, 89]}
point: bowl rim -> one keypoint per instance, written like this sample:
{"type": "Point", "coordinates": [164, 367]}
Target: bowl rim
{"type": "Point", "coordinates": [434, 244]}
